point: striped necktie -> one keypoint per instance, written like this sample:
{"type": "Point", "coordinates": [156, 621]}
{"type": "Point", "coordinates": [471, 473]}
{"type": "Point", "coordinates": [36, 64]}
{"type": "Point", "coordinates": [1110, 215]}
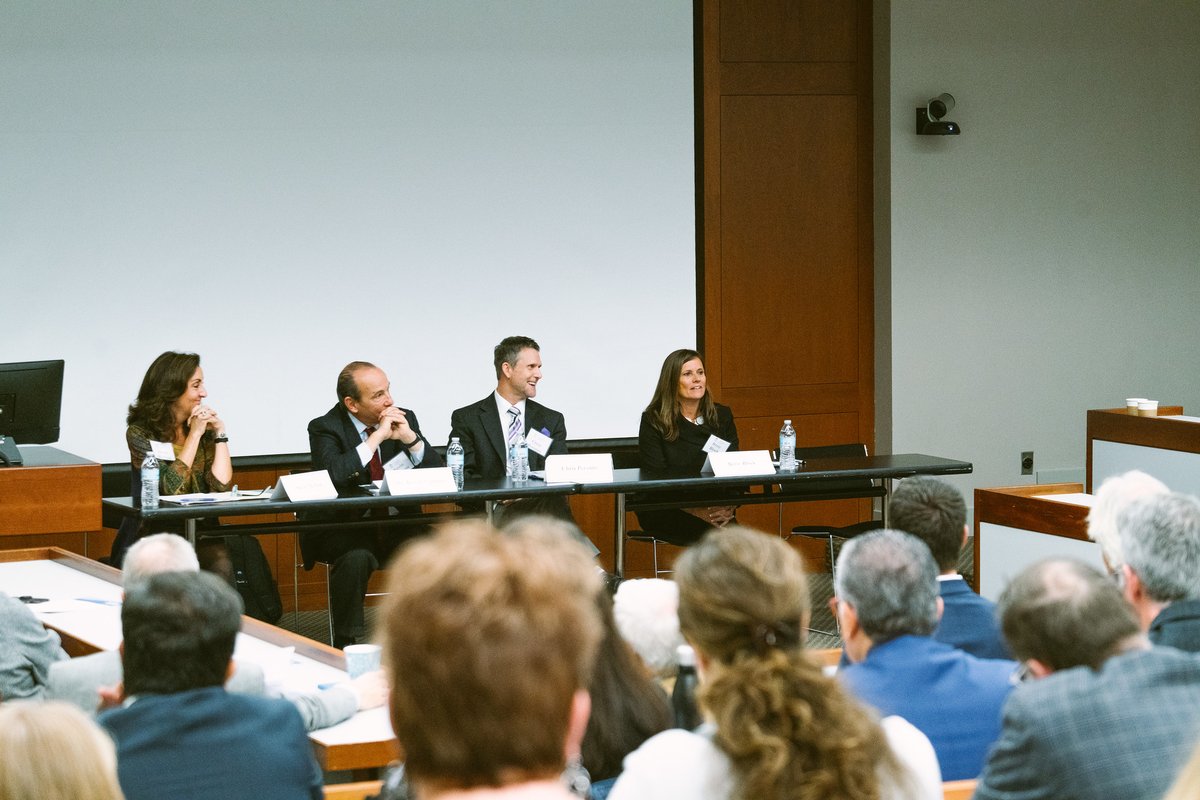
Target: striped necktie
{"type": "Point", "coordinates": [514, 426]}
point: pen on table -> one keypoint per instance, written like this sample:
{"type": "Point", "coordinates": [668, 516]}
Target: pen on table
{"type": "Point", "coordinates": [98, 601]}
{"type": "Point", "coordinates": [25, 598]}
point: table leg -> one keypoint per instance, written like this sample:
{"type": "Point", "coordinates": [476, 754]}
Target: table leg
{"type": "Point", "coordinates": [619, 540]}
{"type": "Point", "coordinates": [189, 531]}
{"type": "Point", "coordinates": [887, 487]}
{"type": "Point", "coordinates": [490, 510]}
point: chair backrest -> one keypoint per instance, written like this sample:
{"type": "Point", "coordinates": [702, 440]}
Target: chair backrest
{"type": "Point", "coordinates": [958, 790]}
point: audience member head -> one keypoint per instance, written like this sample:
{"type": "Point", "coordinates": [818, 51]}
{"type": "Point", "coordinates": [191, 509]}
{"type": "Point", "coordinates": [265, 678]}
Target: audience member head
{"type": "Point", "coordinates": [932, 510]}
{"type": "Point", "coordinates": [628, 707]}
{"type": "Point", "coordinates": [1061, 613]}
{"type": "Point", "coordinates": [886, 586]}
{"type": "Point", "coordinates": [1160, 539]}
{"type": "Point", "coordinates": [647, 615]}
{"type": "Point", "coordinates": [489, 639]}
{"type": "Point", "coordinates": [788, 729]}
{"type": "Point", "coordinates": [165, 383]}
{"type": "Point", "coordinates": [53, 751]}
{"type": "Point", "coordinates": [1112, 496]}
{"type": "Point", "coordinates": [180, 629]}
{"type": "Point", "coordinates": [160, 552]}
{"type": "Point", "coordinates": [682, 378]}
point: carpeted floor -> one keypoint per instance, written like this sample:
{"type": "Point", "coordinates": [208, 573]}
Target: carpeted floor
{"type": "Point", "coordinates": [822, 630]}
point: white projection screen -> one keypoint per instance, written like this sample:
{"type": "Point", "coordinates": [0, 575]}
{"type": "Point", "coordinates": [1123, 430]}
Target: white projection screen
{"type": "Point", "coordinates": [284, 187]}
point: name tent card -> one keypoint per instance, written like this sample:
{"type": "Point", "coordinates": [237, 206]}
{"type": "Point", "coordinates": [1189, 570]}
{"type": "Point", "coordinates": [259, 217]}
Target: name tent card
{"type": "Point", "coordinates": [740, 463]}
{"type": "Point", "coordinates": [584, 468]}
{"type": "Point", "coordinates": [163, 451]}
{"type": "Point", "coordinates": [435, 480]}
{"type": "Point", "coordinates": [305, 486]}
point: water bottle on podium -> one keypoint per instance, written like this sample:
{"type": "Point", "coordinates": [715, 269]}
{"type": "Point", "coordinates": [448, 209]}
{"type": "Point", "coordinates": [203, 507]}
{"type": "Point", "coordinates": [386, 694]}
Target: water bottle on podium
{"type": "Point", "coordinates": [520, 461]}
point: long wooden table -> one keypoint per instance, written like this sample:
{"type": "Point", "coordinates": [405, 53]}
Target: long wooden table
{"type": "Point", "coordinates": [84, 609]}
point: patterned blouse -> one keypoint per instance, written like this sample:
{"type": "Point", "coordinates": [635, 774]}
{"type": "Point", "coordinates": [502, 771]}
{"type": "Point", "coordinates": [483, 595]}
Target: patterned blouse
{"type": "Point", "coordinates": [175, 477]}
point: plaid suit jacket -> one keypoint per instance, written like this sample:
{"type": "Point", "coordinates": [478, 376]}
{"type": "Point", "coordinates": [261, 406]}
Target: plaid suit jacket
{"type": "Point", "coordinates": [1122, 733]}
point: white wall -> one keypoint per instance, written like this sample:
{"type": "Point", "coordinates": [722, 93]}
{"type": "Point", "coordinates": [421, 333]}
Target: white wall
{"type": "Point", "coordinates": [285, 186]}
{"type": "Point", "coordinates": [1046, 261]}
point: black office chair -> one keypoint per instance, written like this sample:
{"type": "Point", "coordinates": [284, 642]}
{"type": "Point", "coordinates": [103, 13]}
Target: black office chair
{"type": "Point", "coordinates": [837, 489]}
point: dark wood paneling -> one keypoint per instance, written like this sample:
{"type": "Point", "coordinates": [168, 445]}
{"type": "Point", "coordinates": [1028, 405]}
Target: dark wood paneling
{"type": "Point", "coordinates": [788, 30]}
{"type": "Point", "coordinates": [786, 226]}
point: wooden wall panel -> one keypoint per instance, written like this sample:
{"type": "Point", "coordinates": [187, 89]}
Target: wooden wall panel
{"type": "Point", "coordinates": [786, 226]}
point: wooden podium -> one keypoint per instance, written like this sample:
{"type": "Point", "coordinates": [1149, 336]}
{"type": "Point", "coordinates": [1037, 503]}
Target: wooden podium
{"type": "Point", "coordinates": [52, 500]}
{"type": "Point", "coordinates": [1166, 446]}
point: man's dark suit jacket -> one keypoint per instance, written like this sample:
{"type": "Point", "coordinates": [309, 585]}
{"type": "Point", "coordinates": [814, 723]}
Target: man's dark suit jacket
{"type": "Point", "coordinates": [333, 441]}
{"type": "Point", "coordinates": [1178, 626]}
{"type": "Point", "coordinates": [208, 744]}
{"type": "Point", "coordinates": [969, 621]}
{"type": "Point", "coordinates": [485, 449]}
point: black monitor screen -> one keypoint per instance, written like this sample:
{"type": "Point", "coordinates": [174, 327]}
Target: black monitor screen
{"type": "Point", "coordinates": [30, 401]}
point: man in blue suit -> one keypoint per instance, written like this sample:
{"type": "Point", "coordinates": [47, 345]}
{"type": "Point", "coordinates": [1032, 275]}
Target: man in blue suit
{"type": "Point", "coordinates": [180, 734]}
{"type": "Point", "coordinates": [934, 512]}
{"type": "Point", "coordinates": [888, 608]}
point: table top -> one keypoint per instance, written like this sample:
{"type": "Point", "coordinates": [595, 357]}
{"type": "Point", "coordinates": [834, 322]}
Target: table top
{"type": "Point", "coordinates": [84, 607]}
{"type": "Point", "coordinates": [625, 481]}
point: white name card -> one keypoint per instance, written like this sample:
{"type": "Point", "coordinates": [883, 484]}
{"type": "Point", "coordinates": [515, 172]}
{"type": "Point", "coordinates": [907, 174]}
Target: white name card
{"type": "Point", "coordinates": [538, 442]}
{"type": "Point", "coordinates": [742, 462]}
{"type": "Point", "coordinates": [583, 468]}
{"type": "Point", "coordinates": [305, 486]}
{"type": "Point", "coordinates": [163, 451]}
{"type": "Point", "coordinates": [435, 480]}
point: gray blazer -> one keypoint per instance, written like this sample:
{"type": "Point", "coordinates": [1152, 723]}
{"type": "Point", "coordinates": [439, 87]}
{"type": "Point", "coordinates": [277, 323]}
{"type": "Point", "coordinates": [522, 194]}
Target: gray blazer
{"type": "Point", "coordinates": [78, 681]}
{"type": "Point", "coordinates": [27, 651]}
{"type": "Point", "coordinates": [1123, 732]}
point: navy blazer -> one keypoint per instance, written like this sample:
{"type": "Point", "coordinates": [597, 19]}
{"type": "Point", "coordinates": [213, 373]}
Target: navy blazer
{"type": "Point", "coordinates": [485, 452]}
{"type": "Point", "coordinates": [1123, 731]}
{"type": "Point", "coordinates": [969, 621]}
{"type": "Point", "coordinates": [209, 744]}
{"type": "Point", "coordinates": [953, 698]}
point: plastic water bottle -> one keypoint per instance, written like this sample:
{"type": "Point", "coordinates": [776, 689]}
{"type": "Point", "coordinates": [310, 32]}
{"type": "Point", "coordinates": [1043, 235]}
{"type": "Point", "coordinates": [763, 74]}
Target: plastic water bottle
{"type": "Point", "coordinates": [683, 696]}
{"type": "Point", "coordinates": [520, 466]}
{"type": "Point", "coordinates": [454, 459]}
{"type": "Point", "coordinates": [787, 447]}
{"type": "Point", "coordinates": [150, 481]}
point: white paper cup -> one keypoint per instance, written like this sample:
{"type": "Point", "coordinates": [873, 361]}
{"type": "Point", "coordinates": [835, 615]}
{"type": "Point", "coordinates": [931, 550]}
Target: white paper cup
{"type": "Point", "coordinates": [1148, 408]}
{"type": "Point", "coordinates": [362, 658]}
{"type": "Point", "coordinates": [1131, 404]}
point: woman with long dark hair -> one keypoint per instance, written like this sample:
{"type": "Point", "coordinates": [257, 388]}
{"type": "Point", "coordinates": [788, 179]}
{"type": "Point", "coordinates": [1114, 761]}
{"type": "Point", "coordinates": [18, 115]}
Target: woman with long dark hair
{"type": "Point", "coordinates": [170, 409]}
{"type": "Point", "coordinates": [677, 424]}
{"type": "Point", "coordinates": [778, 726]}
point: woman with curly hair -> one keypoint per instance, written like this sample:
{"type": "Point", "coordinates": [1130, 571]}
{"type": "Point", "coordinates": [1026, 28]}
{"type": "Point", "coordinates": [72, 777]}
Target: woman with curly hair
{"type": "Point", "coordinates": [777, 727]}
{"type": "Point", "coordinates": [170, 411]}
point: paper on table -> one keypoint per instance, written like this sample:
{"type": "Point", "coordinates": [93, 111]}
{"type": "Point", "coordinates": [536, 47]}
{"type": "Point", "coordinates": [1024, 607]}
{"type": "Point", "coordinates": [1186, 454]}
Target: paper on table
{"type": "Point", "coordinates": [197, 498]}
{"type": "Point", "coordinates": [1182, 418]}
{"type": "Point", "coordinates": [1074, 498]}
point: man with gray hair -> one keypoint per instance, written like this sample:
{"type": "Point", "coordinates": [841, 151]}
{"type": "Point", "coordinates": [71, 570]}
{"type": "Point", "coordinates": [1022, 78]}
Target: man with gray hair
{"type": "Point", "coordinates": [888, 606]}
{"type": "Point", "coordinates": [1160, 540]}
{"type": "Point", "coordinates": [86, 681]}
{"type": "Point", "coordinates": [1110, 716]}
{"type": "Point", "coordinates": [1110, 500]}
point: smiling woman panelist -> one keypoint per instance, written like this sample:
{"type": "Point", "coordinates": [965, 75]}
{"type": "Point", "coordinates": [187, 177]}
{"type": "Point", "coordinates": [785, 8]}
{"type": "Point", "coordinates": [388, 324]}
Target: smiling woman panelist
{"type": "Point", "coordinates": [680, 422]}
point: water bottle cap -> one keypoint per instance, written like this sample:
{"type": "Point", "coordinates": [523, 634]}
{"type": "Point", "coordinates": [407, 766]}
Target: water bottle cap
{"type": "Point", "coordinates": [787, 422]}
{"type": "Point", "coordinates": [454, 438]}
{"type": "Point", "coordinates": [685, 655]}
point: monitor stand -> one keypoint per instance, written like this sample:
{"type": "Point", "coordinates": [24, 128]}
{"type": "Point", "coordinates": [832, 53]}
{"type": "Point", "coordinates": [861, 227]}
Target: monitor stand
{"type": "Point", "coordinates": [10, 456]}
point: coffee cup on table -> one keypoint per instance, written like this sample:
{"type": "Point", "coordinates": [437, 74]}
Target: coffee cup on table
{"type": "Point", "coordinates": [362, 658]}
{"type": "Point", "coordinates": [1148, 408]}
{"type": "Point", "coordinates": [1131, 404]}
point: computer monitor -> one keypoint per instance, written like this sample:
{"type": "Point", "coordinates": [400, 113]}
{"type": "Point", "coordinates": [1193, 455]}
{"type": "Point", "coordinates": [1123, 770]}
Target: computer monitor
{"type": "Point", "coordinates": [30, 405]}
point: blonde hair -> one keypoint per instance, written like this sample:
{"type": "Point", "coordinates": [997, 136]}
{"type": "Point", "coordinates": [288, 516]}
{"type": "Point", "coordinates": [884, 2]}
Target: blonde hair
{"type": "Point", "coordinates": [52, 751]}
{"type": "Point", "coordinates": [487, 638]}
{"type": "Point", "coordinates": [789, 730]}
